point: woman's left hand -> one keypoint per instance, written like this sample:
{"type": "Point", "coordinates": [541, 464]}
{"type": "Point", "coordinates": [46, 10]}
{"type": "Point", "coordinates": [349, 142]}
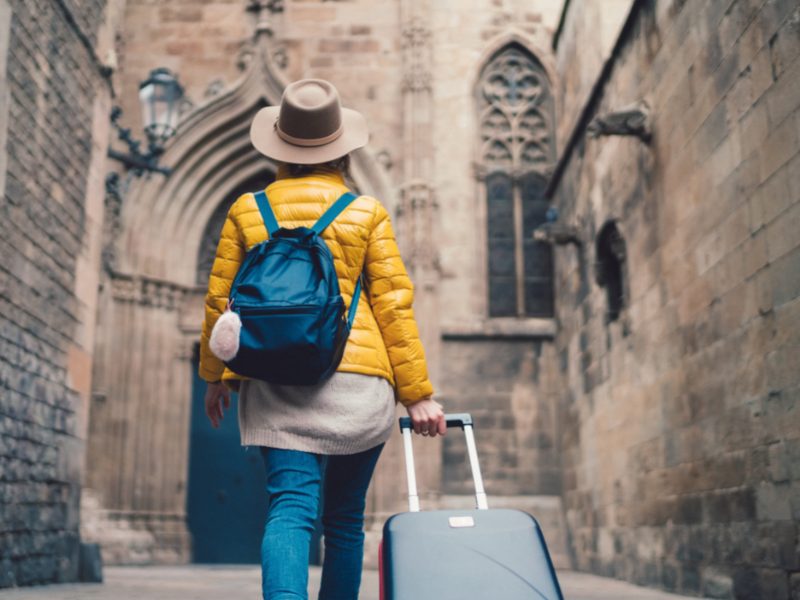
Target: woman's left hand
{"type": "Point", "coordinates": [217, 394]}
{"type": "Point", "coordinates": [427, 417]}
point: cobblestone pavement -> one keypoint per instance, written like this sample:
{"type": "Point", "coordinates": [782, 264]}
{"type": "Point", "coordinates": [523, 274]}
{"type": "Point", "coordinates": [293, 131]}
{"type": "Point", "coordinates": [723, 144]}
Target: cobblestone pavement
{"type": "Point", "coordinates": [204, 582]}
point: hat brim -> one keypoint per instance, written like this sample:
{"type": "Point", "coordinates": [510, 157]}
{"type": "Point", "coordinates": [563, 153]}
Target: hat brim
{"type": "Point", "coordinates": [267, 141]}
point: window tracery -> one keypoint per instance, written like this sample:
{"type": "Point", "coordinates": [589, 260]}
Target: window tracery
{"type": "Point", "coordinates": [515, 108]}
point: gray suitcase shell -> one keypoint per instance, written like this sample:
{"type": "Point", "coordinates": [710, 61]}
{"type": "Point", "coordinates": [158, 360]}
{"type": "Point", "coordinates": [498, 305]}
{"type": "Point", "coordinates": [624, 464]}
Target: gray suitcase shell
{"type": "Point", "coordinates": [477, 554]}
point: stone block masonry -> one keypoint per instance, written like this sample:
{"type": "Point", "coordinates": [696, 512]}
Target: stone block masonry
{"type": "Point", "coordinates": [52, 85]}
{"type": "Point", "coordinates": [682, 417]}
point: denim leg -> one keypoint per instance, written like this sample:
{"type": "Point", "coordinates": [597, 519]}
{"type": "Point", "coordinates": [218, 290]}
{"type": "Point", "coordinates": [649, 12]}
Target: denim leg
{"type": "Point", "coordinates": [293, 485]}
{"type": "Point", "coordinates": [347, 478]}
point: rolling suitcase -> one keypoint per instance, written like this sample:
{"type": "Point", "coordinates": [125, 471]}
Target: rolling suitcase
{"type": "Point", "coordinates": [476, 554]}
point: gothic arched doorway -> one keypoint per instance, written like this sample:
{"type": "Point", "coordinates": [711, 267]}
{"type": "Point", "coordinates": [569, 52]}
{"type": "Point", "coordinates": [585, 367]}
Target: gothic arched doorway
{"type": "Point", "coordinates": [151, 309]}
{"type": "Point", "coordinates": [226, 498]}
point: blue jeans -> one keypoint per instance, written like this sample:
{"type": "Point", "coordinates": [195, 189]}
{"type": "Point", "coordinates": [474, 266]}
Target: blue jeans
{"type": "Point", "coordinates": [293, 484]}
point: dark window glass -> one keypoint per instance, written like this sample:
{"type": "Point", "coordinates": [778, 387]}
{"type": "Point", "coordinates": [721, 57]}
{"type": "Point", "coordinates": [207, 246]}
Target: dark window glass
{"type": "Point", "coordinates": [538, 256]}
{"type": "Point", "coordinates": [538, 260]}
{"type": "Point", "coordinates": [501, 258]}
{"type": "Point", "coordinates": [500, 202]}
{"type": "Point", "coordinates": [502, 297]}
{"type": "Point", "coordinates": [500, 199]}
{"type": "Point", "coordinates": [534, 204]}
{"type": "Point", "coordinates": [538, 298]}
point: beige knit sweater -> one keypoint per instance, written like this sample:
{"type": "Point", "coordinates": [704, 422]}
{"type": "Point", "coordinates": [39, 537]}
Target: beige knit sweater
{"type": "Point", "coordinates": [346, 414]}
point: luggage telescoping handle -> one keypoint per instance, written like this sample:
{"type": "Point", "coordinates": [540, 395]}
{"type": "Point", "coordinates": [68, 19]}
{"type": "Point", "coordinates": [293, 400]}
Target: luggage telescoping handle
{"type": "Point", "coordinates": [462, 420]}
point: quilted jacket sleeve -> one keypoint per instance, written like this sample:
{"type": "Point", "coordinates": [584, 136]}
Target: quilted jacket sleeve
{"type": "Point", "coordinates": [391, 295]}
{"type": "Point", "coordinates": [230, 253]}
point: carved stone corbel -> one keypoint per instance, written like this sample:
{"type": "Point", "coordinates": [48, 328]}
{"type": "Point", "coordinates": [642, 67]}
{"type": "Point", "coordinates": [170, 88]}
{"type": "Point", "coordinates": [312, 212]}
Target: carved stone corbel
{"type": "Point", "coordinates": [558, 234]}
{"type": "Point", "coordinates": [630, 120]}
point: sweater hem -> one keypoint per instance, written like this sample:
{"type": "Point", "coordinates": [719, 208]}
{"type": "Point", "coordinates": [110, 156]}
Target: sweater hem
{"type": "Point", "coordinates": [292, 441]}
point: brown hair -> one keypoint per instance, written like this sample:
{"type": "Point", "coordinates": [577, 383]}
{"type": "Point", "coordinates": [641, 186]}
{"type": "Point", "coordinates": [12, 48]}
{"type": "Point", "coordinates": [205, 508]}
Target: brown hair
{"type": "Point", "coordinates": [341, 164]}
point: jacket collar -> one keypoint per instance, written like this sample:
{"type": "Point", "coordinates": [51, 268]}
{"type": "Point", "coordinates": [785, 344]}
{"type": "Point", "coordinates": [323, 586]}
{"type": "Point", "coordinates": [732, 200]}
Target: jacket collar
{"type": "Point", "coordinates": [319, 174]}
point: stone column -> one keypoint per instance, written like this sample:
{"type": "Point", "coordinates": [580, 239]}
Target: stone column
{"type": "Point", "coordinates": [416, 227]}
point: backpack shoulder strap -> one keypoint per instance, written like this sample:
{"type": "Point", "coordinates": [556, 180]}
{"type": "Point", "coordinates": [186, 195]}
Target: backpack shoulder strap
{"type": "Point", "coordinates": [334, 211]}
{"type": "Point", "coordinates": [351, 314]}
{"type": "Point", "coordinates": [265, 209]}
{"type": "Point", "coordinates": [326, 219]}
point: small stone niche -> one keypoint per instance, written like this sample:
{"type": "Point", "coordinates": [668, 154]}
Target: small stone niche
{"type": "Point", "coordinates": [610, 268]}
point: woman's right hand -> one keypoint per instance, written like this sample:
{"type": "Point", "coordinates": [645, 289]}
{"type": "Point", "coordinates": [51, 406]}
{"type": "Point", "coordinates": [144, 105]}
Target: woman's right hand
{"type": "Point", "coordinates": [427, 417]}
{"type": "Point", "coordinates": [217, 394]}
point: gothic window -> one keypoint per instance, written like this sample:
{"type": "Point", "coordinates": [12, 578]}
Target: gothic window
{"type": "Point", "coordinates": [208, 245]}
{"type": "Point", "coordinates": [610, 268]}
{"type": "Point", "coordinates": [516, 150]}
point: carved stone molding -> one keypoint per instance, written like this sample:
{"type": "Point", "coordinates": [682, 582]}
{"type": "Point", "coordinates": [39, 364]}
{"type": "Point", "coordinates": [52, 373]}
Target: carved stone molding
{"type": "Point", "coordinates": [418, 210]}
{"type": "Point", "coordinates": [262, 9]}
{"type": "Point", "coordinates": [416, 44]}
{"type": "Point", "coordinates": [147, 292]}
{"type": "Point", "coordinates": [116, 188]}
{"type": "Point", "coordinates": [214, 88]}
{"type": "Point", "coordinates": [481, 171]}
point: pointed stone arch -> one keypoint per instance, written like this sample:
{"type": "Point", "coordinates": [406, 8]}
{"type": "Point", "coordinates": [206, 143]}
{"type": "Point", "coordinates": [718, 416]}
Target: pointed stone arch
{"type": "Point", "coordinates": [211, 155]}
{"type": "Point", "coordinates": [151, 310]}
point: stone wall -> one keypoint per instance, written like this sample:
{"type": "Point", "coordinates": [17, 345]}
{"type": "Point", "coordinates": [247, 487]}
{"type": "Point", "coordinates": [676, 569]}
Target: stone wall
{"type": "Point", "coordinates": [680, 425]}
{"type": "Point", "coordinates": [55, 127]}
{"type": "Point", "coordinates": [489, 369]}
{"type": "Point", "coordinates": [587, 32]}
{"type": "Point", "coordinates": [353, 44]}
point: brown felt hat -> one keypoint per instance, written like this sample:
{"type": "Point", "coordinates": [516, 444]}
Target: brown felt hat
{"type": "Point", "coordinates": [309, 127]}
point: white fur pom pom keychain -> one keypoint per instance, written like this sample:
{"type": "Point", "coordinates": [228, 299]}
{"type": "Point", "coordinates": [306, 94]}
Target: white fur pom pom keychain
{"type": "Point", "coordinates": [224, 341]}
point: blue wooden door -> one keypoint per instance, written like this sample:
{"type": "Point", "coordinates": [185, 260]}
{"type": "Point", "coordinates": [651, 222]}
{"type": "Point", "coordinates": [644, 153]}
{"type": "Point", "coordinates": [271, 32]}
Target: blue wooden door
{"type": "Point", "coordinates": [227, 500]}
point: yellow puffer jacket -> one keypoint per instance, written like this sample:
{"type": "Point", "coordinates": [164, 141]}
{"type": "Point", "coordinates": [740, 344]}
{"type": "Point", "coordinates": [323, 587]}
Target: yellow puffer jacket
{"type": "Point", "coordinates": [384, 340]}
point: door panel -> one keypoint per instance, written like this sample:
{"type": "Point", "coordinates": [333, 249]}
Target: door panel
{"type": "Point", "coordinates": [227, 499]}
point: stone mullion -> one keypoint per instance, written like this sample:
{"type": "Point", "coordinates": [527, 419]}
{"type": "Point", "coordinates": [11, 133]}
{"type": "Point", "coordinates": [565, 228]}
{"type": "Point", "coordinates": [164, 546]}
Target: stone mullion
{"type": "Point", "coordinates": [519, 255]}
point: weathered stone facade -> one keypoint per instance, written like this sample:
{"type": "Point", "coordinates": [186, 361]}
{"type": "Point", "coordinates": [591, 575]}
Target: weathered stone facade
{"type": "Point", "coordinates": [54, 124]}
{"type": "Point", "coordinates": [679, 420]}
{"type": "Point", "coordinates": [643, 407]}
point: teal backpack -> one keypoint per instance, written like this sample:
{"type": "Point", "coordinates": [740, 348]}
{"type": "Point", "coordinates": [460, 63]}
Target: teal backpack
{"type": "Point", "coordinates": [294, 325]}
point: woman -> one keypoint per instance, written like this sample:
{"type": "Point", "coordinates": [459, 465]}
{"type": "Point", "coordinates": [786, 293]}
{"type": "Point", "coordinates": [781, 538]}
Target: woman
{"type": "Point", "coordinates": [325, 437]}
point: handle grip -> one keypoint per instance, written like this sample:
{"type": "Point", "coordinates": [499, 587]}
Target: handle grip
{"type": "Point", "coordinates": [453, 420]}
{"type": "Point", "coordinates": [462, 420]}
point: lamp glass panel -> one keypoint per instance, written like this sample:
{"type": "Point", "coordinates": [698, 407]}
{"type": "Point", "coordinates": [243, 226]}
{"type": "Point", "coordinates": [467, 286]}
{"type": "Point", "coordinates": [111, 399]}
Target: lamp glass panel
{"type": "Point", "coordinates": [160, 96]}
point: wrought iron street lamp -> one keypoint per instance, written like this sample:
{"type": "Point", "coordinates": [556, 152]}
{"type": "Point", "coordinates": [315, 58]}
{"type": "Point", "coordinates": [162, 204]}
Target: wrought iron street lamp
{"type": "Point", "coordinates": [160, 95]}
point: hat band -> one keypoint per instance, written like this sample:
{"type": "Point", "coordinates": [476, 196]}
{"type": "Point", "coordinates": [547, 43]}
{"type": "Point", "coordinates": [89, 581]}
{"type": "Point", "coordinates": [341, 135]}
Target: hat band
{"type": "Point", "coordinates": [308, 142]}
